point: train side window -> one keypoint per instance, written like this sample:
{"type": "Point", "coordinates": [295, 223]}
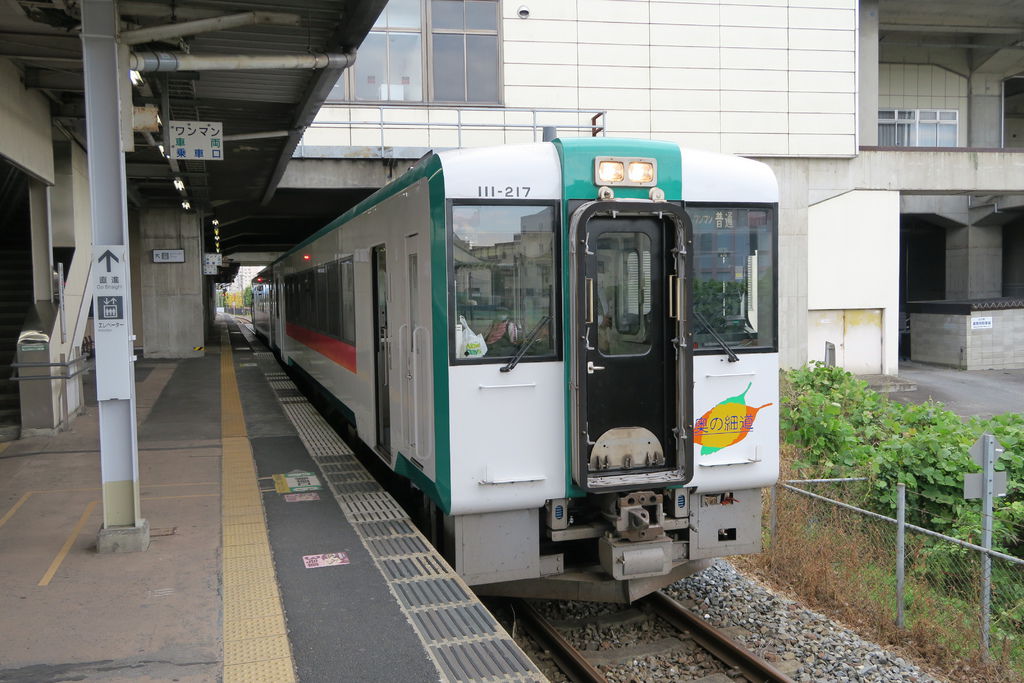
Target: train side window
{"type": "Point", "coordinates": [348, 302]}
{"type": "Point", "coordinates": [505, 281]}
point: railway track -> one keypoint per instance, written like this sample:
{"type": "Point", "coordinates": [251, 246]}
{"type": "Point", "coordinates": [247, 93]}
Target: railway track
{"type": "Point", "coordinates": [691, 633]}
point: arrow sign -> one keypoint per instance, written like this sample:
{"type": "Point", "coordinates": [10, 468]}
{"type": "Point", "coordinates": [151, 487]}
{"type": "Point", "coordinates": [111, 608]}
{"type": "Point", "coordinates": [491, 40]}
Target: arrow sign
{"type": "Point", "coordinates": [109, 256]}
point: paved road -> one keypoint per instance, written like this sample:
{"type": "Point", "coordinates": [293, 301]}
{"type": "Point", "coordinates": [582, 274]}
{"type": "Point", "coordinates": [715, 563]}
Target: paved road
{"type": "Point", "coordinates": [981, 393]}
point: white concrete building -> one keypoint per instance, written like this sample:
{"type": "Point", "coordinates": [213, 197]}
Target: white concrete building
{"type": "Point", "coordinates": [896, 130]}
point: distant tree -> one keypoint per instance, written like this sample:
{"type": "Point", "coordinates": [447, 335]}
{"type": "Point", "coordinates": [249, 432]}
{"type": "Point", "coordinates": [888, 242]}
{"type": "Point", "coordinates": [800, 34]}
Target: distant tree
{"type": "Point", "coordinates": [247, 297]}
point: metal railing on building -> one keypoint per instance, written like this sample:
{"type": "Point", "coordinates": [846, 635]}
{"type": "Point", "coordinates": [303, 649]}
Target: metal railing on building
{"type": "Point", "coordinates": [539, 119]}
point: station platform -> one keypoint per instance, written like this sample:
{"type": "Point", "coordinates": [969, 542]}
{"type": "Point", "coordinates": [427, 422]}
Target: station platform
{"type": "Point", "coordinates": [243, 580]}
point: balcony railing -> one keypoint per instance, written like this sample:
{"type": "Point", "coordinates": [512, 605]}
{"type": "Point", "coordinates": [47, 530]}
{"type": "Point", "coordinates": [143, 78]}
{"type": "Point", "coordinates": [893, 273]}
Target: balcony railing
{"type": "Point", "coordinates": [437, 128]}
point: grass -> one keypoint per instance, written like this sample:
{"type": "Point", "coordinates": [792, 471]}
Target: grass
{"type": "Point", "coordinates": [843, 564]}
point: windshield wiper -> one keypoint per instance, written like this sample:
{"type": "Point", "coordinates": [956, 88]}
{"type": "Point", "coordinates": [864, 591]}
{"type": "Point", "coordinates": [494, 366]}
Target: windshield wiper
{"type": "Point", "coordinates": [714, 335]}
{"type": "Point", "coordinates": [532, 337]}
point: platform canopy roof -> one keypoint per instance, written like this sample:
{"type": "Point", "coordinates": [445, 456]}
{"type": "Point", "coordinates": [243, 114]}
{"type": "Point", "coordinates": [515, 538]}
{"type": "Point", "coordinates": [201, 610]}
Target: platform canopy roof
{"type": "Point", "coordinates": [264, 111]}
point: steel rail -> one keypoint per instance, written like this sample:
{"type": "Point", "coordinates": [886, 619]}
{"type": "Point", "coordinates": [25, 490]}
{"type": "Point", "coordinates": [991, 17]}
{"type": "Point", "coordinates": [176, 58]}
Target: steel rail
{"type": "Point", "coordinates": [572, 663]}
{"type": "Point", "coordinates": [724, 648]}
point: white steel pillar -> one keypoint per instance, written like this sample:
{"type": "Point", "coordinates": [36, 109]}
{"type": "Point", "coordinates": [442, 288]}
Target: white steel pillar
{"type": "Point", "coordinates": [123, 529]}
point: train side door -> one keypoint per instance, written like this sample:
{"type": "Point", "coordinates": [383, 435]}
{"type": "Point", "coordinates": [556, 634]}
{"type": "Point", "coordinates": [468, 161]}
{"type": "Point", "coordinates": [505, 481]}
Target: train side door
{"type": "Point", "coordinates": [631, 399]}
{"type": "Point", "coordinates": [382, 348]}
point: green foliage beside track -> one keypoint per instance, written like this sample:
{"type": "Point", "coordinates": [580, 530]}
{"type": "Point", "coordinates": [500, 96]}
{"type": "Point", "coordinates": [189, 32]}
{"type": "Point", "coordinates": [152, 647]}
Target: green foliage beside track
{"type": "Point", "coordinates": [844, 429]}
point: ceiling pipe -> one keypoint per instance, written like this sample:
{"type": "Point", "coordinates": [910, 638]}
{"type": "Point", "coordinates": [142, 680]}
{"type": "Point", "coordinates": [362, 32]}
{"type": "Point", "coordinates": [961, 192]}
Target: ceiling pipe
{"type": "Point", "coordinates": [257, 136]}
{"type": "Point", "coordinates": [191, 28]}
{"type": "Point", "coordinates": [179, 61]}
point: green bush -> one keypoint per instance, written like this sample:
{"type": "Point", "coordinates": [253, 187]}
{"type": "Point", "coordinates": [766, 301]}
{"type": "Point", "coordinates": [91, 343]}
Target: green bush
{"type": "Point", "coordinates": [844, 429]}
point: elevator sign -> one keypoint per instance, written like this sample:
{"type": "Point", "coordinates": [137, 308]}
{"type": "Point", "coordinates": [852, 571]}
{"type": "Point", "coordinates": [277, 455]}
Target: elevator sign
{"type": "Point", "coordinates": [111, 310]}
{"type": "Point", "coordinates": [197, 140]}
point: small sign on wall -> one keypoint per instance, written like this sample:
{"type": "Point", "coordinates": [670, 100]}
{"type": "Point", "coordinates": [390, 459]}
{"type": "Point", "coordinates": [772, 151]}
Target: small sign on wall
{"type": "Point", "coordinates": [981, 323]}
{"type": "Point", "coordinates": [168, 256]}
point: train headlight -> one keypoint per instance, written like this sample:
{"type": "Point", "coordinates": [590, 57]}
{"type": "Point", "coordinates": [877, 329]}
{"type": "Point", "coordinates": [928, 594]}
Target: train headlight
{"type": "Point", "coordinates": [625, 171]}
{"type": "Point", "coordinates": [609, 172]}
{"type": "Point", "coordinates": [641, 172]}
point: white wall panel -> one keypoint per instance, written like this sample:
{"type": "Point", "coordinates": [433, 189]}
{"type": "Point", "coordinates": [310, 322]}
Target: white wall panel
{"type": "Point", "coordinates": [614, 77]}
{"type": "Point", "coordinates": [617, 10]}
{"type": "Point", "coordinates": [612, 55]}
{"type": "Point", "coordinates": [692, 36]}
{"type": "Point", "coordinates": [753, 58]}
{"type": "Point", "coordinates": [802, 17]}
{"type": "Point", "coordinates": [813, 102]}
{"type": "Point", "coordinates": [821, 123]}
{"type": "Point", "coordinates": [541, 75]}
{"type": "Point", "coordinates": [675, 56]}
{"type": "Point", "coordinates": [812, 81]}
{"type": "Point", "coordinates": [754, 122]}
{"type": "Point", "coordinates": [540, 10]}
{"type": "Point", "coordinates": [753, 15]}
{"type": "Point", "coordinates": [697, 13]}
{"type": "Point", "coordinates": [822, 39]}
{"type": "Point", "coordinates": [740, 36]}
{"type": "Point", "coordinates": [613, 33]}
{"type": "Point", "coordinates": [822, 60]}
{"type": "Point", "coordinates": [686, 121]}
{"type": "Point", "coordinates": [526, 52]}
{"type": "Point", "coordinates": [735, 100]}
{"type": "Point", "coordinates": [617, 98]}
{"type": "Point", "coordinates": [538, 30]}
{"type": "Point", "coordinates": [749, 79]}
{"type": "Point", "coordinates": [686, 100]}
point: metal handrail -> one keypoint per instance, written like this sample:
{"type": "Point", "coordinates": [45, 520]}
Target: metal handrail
{"type": "Point", "coordinates": [16, 376]}
{"type": "Point", "coordinates": [534, 126]}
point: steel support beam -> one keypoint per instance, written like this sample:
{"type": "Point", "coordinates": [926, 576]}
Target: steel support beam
{"type": "Point", "coordinates": [191, 28]}
{"type": "Point", "coordinates": [124, 529]}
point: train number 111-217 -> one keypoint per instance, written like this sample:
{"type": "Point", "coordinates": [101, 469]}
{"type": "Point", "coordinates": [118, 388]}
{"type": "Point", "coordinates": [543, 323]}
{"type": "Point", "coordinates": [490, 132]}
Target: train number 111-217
{"type": "Point", "coordinates": [508, 192]}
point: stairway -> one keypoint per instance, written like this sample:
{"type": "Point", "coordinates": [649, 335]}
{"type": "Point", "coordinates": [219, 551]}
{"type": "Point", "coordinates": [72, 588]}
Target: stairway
{"type": "Point", "coordinates": [15, 298]}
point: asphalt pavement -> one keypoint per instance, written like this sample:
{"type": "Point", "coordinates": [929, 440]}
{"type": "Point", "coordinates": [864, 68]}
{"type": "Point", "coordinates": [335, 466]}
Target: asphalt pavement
{"type": "Point", "coordinates": [968, 393]}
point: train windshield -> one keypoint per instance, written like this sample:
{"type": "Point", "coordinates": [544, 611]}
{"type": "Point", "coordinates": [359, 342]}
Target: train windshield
{"type": "Point", "coordinates": [505, 281]}
{"type": "Point", "coordinates": [734, 277]}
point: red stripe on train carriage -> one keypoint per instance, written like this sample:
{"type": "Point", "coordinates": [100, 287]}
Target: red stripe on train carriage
{"type": "Point", "coordinates": [341, 353]}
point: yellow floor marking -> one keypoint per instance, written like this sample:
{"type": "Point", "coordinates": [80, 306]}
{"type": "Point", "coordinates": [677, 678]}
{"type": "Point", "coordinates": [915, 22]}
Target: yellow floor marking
{"type": "Point", "coordinates": [10, 513]}
{"type": "Point", "coordinates": [55, 565]}
{"type": "Point", "coordinates": [4, 446]}
{"type": "Point", "coordinates": [256, 646]}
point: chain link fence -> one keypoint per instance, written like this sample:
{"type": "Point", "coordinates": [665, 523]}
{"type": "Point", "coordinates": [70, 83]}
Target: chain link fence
{"type": "Point", "coordinates": [905, 583]}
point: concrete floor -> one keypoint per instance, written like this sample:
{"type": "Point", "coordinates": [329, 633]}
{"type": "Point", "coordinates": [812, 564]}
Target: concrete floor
{"type": "Point", "coordinates": [968, 393]}
{"type": "Point", "coordinates": [152, 616]}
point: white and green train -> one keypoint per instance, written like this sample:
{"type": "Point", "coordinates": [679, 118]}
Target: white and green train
{"type": "Point", "coordinates": [568, 348]}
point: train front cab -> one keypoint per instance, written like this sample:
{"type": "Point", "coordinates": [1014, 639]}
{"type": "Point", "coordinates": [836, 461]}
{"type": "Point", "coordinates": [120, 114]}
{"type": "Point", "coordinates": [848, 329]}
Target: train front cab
{"type": "Point", "coordinates": [639, 401]}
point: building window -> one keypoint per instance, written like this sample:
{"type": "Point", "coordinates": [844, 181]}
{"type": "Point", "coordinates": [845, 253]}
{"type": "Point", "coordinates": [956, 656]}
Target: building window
{"type": "Point", "coordinates": [440, 51]}
{"type": "Point", "coordinates": [917, 127]}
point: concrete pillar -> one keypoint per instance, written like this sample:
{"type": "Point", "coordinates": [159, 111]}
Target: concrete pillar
{"type": "Point", "coordinates": [137, 255]}
{"type": "Point", "coordinates": [792, 175]}
{"type": "Point", "coordinates": [974, 262]}
{"type": "Point", "coordinates": [39, 218]}
{"type": "Point", "coordinates": [172, 293]}
{"type": "Point", "coordinates": [985, 110]}
{"type": "Point", "coordinates": [867, 74]}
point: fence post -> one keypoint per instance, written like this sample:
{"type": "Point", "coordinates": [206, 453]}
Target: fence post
{"type": "Point", "coordinates": [988, 457]}
{"type": "Point", "coordinates": [901, 531]}
{"type": "Point", "coordinates": [773, 520]}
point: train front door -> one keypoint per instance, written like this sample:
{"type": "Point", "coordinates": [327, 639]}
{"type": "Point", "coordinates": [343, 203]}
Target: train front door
{"type": "Point", "coordinates": [382, 349]}
{"type": "Point", "coordinates": [630, 311]}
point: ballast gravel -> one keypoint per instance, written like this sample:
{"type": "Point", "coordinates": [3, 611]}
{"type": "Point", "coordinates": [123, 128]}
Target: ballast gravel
{"type": "Point", "coordinates": [804, 644]}
{"type": "Point", "coordinates": [824, 650]}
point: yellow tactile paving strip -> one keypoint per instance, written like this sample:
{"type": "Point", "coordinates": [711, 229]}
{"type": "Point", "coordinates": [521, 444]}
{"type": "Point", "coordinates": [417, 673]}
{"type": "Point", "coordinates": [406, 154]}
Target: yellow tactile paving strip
{"type": "Point", "coordinates": [256, 644]}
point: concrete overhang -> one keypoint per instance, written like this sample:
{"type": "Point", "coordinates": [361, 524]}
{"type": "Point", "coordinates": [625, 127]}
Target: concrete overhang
{"type": "Point", "coordinates": [917, 171]}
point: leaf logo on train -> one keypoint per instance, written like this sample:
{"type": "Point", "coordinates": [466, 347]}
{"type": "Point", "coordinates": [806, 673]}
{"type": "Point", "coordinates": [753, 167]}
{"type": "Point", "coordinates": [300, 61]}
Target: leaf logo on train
{"type": "Point", "coordinates": [726, 424]}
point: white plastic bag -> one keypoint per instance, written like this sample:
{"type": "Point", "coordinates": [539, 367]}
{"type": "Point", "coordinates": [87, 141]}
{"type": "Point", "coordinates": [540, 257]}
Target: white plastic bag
{"type": "Point", "coordinates": [473, 345]}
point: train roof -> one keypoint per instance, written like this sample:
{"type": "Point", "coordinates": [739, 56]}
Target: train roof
{"type": "Point", "coordinates": [690, 174]}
